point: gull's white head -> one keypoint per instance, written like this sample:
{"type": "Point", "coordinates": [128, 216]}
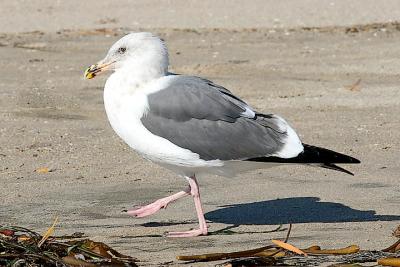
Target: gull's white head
{"type": "Point", "coordinates": [140, 52]}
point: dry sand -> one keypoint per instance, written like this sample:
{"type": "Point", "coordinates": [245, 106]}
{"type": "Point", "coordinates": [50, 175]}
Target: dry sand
{"type": "Point", "coordinates": [51, 117]}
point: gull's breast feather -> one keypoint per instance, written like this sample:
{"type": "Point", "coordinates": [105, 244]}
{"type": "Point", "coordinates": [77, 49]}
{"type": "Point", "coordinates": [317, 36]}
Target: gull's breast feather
{"type": "Point", "coordinates": [125, 107]}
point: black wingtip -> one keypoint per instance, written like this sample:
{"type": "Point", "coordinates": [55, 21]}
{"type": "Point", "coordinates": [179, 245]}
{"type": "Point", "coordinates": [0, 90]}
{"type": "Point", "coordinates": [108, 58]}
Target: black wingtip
{"type": "Point", "coordinates": [332, 166]}
{"type": "Point", "coordinates": [313, 155]}
{"type": "Point", "coordinates": [323, 155]}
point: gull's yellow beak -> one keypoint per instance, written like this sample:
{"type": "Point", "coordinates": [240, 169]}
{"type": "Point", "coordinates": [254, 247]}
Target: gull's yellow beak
{"type": "Point", "coordinates": [95, 69]}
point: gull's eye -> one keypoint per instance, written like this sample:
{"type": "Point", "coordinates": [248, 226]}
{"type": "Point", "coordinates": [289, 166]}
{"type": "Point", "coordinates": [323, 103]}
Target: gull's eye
{"type": "Point", "coordinates": [121, 50]}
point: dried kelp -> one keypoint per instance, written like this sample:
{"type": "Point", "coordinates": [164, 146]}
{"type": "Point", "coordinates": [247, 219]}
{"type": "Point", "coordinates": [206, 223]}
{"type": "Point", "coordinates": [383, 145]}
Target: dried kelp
{"type": "Point", "coordinates": [23, 247]}
{"type": "Point", "coordinates": [284, 254]}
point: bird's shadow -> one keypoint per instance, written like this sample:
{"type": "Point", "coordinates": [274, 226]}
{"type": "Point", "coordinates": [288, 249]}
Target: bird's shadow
{"type": "Point", "coordinates": [293, 210]}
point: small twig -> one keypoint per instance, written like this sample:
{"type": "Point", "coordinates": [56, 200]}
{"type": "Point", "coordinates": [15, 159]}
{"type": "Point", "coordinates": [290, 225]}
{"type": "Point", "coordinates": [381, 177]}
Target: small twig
{"type": "Point", "coordinates": [288, 233]}
{"type": "Point", "coordinates": [76, 235]}
{"type": "Point", "coordinates": [48, 233]}
{"type": "Point", "coordinates": [224, 256]}
{"type": "Point", "coordinates": [392, 248]}
{"type": "Point", "coordinates": [355, 86]}
{"type": "Point", "coordinates": [316, 250]}
{"type": "Point", "coordinates": [289, 247]}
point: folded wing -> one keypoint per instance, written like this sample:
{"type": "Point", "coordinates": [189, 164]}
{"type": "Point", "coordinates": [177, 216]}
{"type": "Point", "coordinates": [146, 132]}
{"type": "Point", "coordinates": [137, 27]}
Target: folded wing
{"type": "Point", "coordinates": [207, 119]}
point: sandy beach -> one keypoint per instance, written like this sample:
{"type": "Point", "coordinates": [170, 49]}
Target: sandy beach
{"type": "Point", "coordinates": [332, 75]}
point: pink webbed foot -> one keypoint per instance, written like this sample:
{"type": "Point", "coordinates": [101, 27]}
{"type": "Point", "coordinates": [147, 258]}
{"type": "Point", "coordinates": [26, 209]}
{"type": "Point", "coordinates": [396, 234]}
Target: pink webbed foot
{"type": "Point", "coordinates": [191, 233]}
{"type": "Point", "coordinates": [157, 205]}
{"type": "Point", "coordinates": [147, 210]}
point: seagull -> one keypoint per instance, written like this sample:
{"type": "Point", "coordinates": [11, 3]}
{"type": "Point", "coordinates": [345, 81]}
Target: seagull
{"type": "Point", "coordinates": [191, 125]}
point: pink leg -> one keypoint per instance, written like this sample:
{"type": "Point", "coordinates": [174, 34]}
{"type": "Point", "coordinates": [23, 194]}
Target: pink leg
{"type": "Point", "coordinates": [194, 191]}
{"type": "Point", "coordinates": [157, 205]}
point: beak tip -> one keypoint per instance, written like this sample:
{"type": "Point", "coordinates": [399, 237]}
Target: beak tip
{"type": "Point", "coordinates": [89, 74]}
{"type": "Point", "coordinates": [96, 69]}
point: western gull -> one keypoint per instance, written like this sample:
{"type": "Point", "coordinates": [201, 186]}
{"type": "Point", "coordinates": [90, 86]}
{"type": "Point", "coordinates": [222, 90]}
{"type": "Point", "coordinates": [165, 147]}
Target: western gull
{"type": "Point", "coordinates": [191, 125]}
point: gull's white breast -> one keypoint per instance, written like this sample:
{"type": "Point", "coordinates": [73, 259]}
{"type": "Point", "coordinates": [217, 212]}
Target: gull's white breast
{"type": "Point", "coordinates": [125, 104]}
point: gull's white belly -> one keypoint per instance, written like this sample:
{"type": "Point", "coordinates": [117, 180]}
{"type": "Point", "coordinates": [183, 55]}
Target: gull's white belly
{"type": "Point", "coordinates": [124, 112]}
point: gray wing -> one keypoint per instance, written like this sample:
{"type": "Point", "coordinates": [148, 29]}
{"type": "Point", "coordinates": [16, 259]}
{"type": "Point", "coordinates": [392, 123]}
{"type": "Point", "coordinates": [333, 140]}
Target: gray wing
{"type": "Point", "coordinates": [207, 119]}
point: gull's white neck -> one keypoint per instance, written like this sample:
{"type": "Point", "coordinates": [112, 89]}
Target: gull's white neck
{"type": "Point", "coordinates": [126, 90]}
{"type": "Point", "coordinates": [135, 74]}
